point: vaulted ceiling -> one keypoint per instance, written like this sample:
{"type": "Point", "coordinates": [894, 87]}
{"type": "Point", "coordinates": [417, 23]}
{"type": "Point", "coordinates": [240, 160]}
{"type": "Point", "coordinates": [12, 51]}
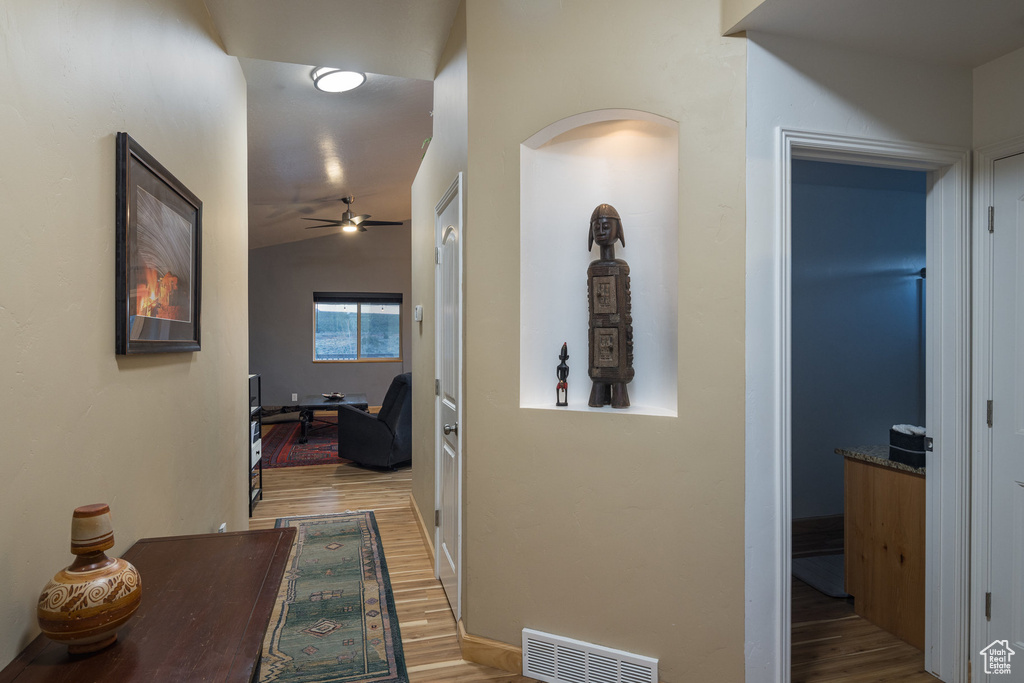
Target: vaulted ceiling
{"type": "Point", "coordinates": [307, 149]}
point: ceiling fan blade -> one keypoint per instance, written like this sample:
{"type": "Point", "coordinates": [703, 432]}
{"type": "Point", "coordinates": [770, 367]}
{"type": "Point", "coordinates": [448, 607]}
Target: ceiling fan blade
{"type": "Point", "coordinates": [382, 223]}
{"type": "Point", "coordinates": [360, 218]}
{"type": "Point", "coordinates": [325, 223]}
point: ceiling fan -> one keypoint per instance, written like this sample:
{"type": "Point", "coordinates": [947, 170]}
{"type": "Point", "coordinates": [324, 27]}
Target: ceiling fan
{"type": "Point", "coordinates": [349, 222]}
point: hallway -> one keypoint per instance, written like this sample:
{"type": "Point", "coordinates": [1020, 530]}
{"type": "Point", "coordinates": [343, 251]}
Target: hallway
{"type": "Point", "coordinates": [428, 629]}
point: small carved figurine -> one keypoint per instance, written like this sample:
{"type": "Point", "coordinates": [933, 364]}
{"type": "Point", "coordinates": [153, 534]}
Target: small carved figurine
{"type": "Point", "coordinates": [562, 389]}
{"type": "Point", "coordinates": [611, 322]}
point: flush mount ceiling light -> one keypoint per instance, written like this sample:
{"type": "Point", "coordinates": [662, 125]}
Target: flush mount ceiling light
{"type": "Point", "coordinates": [329, 79]}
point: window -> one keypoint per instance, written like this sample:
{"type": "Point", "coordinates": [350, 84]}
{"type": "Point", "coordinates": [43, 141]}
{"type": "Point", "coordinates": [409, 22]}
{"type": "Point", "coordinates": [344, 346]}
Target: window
{"type": "Point", "coordinates": [357, 327]}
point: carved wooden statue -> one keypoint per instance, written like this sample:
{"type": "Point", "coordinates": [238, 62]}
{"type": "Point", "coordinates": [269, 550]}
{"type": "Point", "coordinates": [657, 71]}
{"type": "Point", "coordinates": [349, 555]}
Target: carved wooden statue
{"type": "Point", "coordinates": [611, 321]}
{"type": "Point", "coordinates": [562, 372]}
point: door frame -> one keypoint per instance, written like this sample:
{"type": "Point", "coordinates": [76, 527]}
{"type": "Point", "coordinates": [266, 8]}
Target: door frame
{"type": "Point", "coordinates": [983, 320]}
{"type": "Point", "coordinates": [453, 194]}
{"type": "Point", "coordinates": [768, 508]}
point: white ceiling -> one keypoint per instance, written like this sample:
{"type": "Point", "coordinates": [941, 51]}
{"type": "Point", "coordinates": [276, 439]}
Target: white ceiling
{"type": "Point", "coordinates": [307, 149]}
{"type": "Point", "coordinates": [394, 37]}
{"type": "Point", "coordinates": [957, 32]}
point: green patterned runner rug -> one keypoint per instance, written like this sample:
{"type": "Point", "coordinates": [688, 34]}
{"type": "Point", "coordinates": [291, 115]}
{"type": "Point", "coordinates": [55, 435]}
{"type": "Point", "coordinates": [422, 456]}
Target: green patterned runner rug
{"type": "Point", "coordinates": [335, 620]}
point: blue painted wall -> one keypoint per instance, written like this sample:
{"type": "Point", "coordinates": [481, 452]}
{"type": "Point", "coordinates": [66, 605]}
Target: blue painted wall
{"type": "Point", "coordinates": [858, 318]}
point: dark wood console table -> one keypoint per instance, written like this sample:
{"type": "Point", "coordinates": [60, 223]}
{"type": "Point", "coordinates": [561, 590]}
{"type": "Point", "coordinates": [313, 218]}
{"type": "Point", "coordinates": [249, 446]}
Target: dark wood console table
{"type": "Point", "coordinates": [206, 604]}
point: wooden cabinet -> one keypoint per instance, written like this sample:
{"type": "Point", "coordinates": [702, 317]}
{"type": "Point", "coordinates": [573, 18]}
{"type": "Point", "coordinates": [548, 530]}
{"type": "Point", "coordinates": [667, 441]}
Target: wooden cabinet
{"type": "Point", "coordinates": [254, 454]}
{"type": "Point", "coordinates": [885, 537]}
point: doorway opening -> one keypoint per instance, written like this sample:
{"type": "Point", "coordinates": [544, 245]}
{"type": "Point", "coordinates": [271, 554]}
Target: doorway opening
{"type": "Point", "coordinates": [858, 300]}
{"type": "Point", "coordinates": [769, 407]}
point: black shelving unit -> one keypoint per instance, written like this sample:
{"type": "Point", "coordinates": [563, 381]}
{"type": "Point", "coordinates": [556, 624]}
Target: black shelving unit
{"type": "Point", "coordinates": [254, 460]}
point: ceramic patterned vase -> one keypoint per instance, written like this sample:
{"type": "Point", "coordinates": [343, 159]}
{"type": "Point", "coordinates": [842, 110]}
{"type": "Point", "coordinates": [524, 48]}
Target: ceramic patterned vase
{"type": "Point", "coordinates": [84, 605]}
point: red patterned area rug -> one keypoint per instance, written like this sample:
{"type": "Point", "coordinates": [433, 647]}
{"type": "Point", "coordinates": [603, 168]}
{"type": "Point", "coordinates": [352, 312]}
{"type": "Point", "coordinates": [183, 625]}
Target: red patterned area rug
{"type": "Point", "coordinates": [281, 447]}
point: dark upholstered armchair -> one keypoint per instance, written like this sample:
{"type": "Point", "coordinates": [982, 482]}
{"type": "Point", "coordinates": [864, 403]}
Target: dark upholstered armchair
{"type": "Point", "coordinates": [384, 439]}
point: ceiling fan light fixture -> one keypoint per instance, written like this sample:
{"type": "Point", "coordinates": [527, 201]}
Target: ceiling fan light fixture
{"type": "Point", "coordinates": [328, 79]}
{"type": "Point", "coordinates": [350, 227]}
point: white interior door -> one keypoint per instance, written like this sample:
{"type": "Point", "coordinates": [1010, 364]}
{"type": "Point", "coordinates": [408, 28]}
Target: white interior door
{"type": "Point", "coordinates": [448, 535]}
{"type": "Point", "coordinates": [1006, 483]}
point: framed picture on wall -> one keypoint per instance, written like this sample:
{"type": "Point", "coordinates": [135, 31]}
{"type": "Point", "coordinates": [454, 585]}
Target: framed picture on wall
{"type": "Point", "coordinates": [158, 261]}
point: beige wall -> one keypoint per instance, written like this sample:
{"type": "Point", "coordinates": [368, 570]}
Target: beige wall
{"type": "Point", "coordinates": [613, 528]}
{"type": "Point", "coordinates": [161, 438]}
{"type": "Point", "coordinates": [999, 99]}
{"type": "Point", "coordinates": [444, 160]}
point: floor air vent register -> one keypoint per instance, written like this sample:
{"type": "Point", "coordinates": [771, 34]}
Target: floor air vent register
{"type": "Point", "coordinates": [555, 659]}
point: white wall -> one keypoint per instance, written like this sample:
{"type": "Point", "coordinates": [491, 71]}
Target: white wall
{"type": "Point", "coordinates": [999, 99]}
{"type": "Point", "coordinates": [811, 87]}
{"type": "Point", "coordinates": [631, 161]}
{"type": "Point", "coordinates": [161, 438]}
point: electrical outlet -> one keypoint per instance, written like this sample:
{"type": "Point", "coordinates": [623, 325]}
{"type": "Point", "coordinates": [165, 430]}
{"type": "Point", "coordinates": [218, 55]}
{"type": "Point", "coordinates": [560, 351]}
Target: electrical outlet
{"type": "Point", "coordinates": [222, 528]}
{"type": "Point", "coordinates": [295, 397]}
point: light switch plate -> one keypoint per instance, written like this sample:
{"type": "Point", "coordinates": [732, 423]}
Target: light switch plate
{"type": "Point", "coordinates": [417, 313]}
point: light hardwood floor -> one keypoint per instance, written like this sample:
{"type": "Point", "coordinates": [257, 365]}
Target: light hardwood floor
{"type": "Point", "coordinates": [428, 628]}
{"type": "Point", "coordinates": [831, 643]}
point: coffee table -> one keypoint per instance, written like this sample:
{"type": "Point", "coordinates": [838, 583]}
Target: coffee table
{"type": "Point", "coordinates": [308, 404]}
{"type": "Point", "coordinates": [206, 604]}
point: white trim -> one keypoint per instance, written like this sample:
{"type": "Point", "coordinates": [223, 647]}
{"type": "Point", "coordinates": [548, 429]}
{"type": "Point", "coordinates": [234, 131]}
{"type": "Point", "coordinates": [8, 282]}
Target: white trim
{"type": "Point", "coordinates": [981, 494]}
{"type": "Point", "coordinates": [454, 193]}
{"type": "Point", "coordinates": [948, 347]}
{"type": "Point", "coordinates": [768, 512]}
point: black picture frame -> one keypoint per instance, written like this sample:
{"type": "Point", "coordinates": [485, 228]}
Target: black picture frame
{"type": "Point", "coordinates": [159, 256]}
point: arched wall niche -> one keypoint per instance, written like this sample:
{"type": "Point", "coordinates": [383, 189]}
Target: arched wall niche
{"type": "Point", "coordinates": [629, 159]}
